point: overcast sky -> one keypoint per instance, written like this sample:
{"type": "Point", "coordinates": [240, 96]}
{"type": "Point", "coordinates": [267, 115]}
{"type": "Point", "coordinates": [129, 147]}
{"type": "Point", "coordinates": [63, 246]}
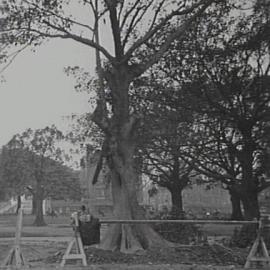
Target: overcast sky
{"type": "Point", "coordinates": [37, 92]}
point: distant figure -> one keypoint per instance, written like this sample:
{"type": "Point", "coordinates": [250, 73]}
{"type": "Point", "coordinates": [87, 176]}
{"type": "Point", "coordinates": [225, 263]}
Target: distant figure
{"type": "Point", "coordinates": [52, 213]}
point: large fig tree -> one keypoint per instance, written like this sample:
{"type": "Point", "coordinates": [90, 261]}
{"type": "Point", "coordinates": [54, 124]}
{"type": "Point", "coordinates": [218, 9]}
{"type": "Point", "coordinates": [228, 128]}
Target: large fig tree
{"type": "Point", "coordinates": [130, 25]}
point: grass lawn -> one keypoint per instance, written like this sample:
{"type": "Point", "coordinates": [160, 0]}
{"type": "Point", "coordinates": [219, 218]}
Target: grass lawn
{"type": "Point", "coordinates": [10, 220]}
{"type": "Point", "coordinates": [55, 226]}
{"type": "Point", "coordinates": [59, 226]}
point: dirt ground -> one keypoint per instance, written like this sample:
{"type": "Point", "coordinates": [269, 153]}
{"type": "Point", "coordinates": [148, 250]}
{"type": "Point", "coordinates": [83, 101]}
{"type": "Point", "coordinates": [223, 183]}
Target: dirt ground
{"type": "Point", "coordinates": [34, 252]}
{"type": "Point", "coordinates": [47, 255]}
{"type": "Point", "coordinates": [43, 248]}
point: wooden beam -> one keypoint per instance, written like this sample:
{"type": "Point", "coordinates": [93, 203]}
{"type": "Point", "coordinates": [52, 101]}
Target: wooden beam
{"type": "Point", "coordinates": [225, 222]}
{"type": "Point", "coordinates": [77, 242]}
{"type": "Point", "coordinates": [15, 256]}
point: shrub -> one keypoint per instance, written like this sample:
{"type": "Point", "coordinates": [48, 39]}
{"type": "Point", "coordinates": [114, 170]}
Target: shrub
{"type": "Point", "coordinates": [177, 232]}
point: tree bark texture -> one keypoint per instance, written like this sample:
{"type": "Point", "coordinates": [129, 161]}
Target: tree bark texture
{"type": "Point", "coordinates": [249, 186]}
{"type": "Point", "coordinates": [128, 238]}
{"type": "Point", "coordinates": [177, 202]}
{"type": "Point", "coordinates": [248, 196]}
{"type": "Point", "coordinates": [121, 147]}
{"type": "Point", "coordinates": [251, 205]}
{"type": "Point", "coordinates": [39, 197]}
{"type": "Point", "coordinates": [34, 204]}
{"type": "Point", "coordinates": [19, 203]}
{"type": "Point", "coordinates": [236, 206]}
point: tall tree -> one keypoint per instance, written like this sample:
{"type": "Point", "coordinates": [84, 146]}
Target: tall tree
{"type": "Point", "coordinates": [164, 132]}
{"type": "Point", "coordinates": [15, 173]}
{"type": "Point", "coordinates": [228, 78]}
{"type": "Point", "coordinates": [38, 148]}
{"type": "Point", "coordinates": [132, 25]}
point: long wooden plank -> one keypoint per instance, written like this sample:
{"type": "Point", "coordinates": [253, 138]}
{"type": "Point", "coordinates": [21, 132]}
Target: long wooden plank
{"type": "Point", "coordinates": [15, 254]}
{"type": "Point", "coordinates": [19, 227]}
{"type": "Point", "coordinates": [227, 222]}
{"type": "Point", "coordinates": [74, 256]}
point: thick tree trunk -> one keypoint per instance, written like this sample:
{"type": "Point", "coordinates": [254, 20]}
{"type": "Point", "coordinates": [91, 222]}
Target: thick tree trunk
{"type": "Point", "coordinates": [177, 203]}
{"type": "Point", "coordinates": [251, 212]}
{"type": "Point", "coordinates": [250, 205]}
{"type": "Point", "coordinates": [249, 193]}
{"type": "Point", "coordinates": [39, 197]}
{"type": "Point", "coordinates": [236, 206]}
{"type": "Point", "coordinates": [34, 204]}
{"type": "Point", "coordinates": [19, 203]}
{"type": "Point", "coordinates": [128, 238]}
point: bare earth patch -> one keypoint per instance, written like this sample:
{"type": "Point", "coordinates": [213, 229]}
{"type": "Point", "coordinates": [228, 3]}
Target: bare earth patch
{"type": "Point", "coordinates": [48, 255]}
{"type": "Point", "coordinates": [213, 255]}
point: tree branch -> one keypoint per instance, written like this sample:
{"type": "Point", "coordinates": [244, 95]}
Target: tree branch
{"type": "Point", "coordinates": [80, 39]}
{"type": "Point", "coordinates": [173, 36]}
{"type": "Point", "coordinates": [58, 16]}
{"type": "Point", "coordinates": [115, 29]}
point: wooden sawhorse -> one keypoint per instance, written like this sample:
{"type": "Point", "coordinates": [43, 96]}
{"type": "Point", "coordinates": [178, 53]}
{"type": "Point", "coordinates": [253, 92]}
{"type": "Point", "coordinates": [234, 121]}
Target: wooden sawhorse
{"type": "Point", "coordinates": [77, 241]}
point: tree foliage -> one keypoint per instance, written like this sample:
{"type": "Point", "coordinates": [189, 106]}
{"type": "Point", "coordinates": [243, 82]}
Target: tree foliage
{"type": "Point", "coordinates": [36, 164]}
{"type": "Point", "coordinates": [224, 76]}
{"type": "Point", "coordinates": [132, 25]}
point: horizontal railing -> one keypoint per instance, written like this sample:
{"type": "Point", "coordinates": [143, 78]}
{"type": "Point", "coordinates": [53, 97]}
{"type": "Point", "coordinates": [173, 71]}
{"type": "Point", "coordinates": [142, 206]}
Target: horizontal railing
{"type": "Point", "coordinates": [153, 221]}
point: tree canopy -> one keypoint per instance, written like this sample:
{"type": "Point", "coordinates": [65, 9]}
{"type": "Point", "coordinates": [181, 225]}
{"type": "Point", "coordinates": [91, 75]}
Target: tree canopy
{"type": "Point", "coordinates": [133, 26]}
{"type": "Point", "coordinates": [34, 160]}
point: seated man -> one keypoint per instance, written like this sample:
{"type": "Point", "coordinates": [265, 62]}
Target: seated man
{"type": "Point", "coordinates": [89, 227]}
{"type": "Point", "coordinates": [84, 215]}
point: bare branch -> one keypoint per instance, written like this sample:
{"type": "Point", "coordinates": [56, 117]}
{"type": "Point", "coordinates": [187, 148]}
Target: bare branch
{"type": "Point", "coordinates": [127, 14]}
{"type": "Point", "coordinates": [58, 16]}
{"type": "Point", "coordinates": [115, 30]}
{"type": "Point", "coordinates": [13, 56]}
{"type": "Point", "coordinates": [80, 39]}
{"type": "Point", "coordinates": [179, 33]}
{"type": "Point", "coordinates": [100, 115]}
{"type": "Point", "coordinates": [136, 18]}
{"type": "Point", "coordinates": [156, 14]}
{"type": "Point", "coordinates": [181, 30]}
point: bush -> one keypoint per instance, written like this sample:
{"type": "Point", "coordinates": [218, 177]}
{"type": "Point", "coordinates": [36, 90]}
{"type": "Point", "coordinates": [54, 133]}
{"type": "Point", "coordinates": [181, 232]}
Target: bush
{"type": "Point", "coordinates": [177, 232]}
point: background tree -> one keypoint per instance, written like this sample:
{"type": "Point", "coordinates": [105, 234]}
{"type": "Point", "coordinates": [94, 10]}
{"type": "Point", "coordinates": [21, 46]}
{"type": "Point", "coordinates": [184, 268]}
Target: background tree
{"type": "Point", "coordinates": [163, 134]}
{"type": "Point", "coordinates": [17, 177]}
{"type": "Point", "coordinates": [62, 182]}
{"type": "Point", "coordinates": [39, 148]}
{"type": "Point", "coordinates": [228, 78]}
{"type": "Point", "coordinates": [15, 173]}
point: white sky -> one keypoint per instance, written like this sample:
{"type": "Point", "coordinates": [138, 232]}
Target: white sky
{"type": "Point", "coordinates": [37, 92]}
